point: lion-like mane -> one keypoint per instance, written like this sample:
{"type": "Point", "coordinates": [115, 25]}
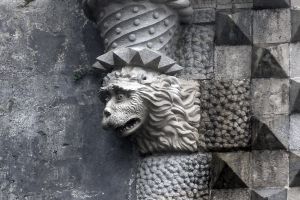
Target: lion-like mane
{"type": "Point", "coordinates": [174, 116]}
{"type": "Point", "coordinates": [174, 112]}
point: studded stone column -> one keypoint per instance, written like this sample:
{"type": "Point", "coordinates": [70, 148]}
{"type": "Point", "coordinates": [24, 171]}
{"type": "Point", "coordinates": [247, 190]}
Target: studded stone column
{"type": "Point", "coordinates": [150, 24]}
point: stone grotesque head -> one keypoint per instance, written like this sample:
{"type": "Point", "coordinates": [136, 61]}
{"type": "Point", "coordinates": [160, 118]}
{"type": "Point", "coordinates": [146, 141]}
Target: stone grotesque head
{"type": "Point", "coordinates": [142, 97]}
{"type": "Point", "coordinates": [159, 111]}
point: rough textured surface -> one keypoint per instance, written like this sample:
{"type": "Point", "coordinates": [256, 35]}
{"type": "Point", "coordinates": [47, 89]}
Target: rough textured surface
{"type": "Point", "coordinates": [232, 62]}
{"type": "Point", "coordinates": [270, 132]}
{"type": "Point", "coordinates": [51, 142]}
{"type": "Point", "coordinates": [269, 194]}
{"type": "Point", "coordinates": [271, 61]}
{"type": "Point", "coordinates": [293, 193]}
{"type": "Point", "coordinates": [271, 26]}
{"type": "Point", "coordinates": [225, 107]}
{"type": "Point", "coordinates": [294, 60]}
{"type": "Point", "coordinates": [270, 96]}
{"type": "Point", "coordinates": [234, 28]}
{"type": "Point", "coordinates": [295, 4]}
{"type": "Point", "coordinates": [205, 15]}
{"type": "Point", "coordinates": [294, 95]}
{"type": "Point", "coordinates": [242, 3]}
{"type": "Point", "coordinates": [230, 170]}
{"type": "Point", "coordinates": [294, 169]}
{"type": "Point", "coordinates": [174, 177]}
{"type": "Point", "coordinates": [232, 194]}
{"type": "Point", "coordinates": [269, 169]}
{"type": "Point", "coordinates": [203, 3]}
{"type": "Point", "coordinates": [295, 132]}
{"type": "Point", "coordinates": [195, 52]}
{"type": "Point", "coordinates": [295, 23]}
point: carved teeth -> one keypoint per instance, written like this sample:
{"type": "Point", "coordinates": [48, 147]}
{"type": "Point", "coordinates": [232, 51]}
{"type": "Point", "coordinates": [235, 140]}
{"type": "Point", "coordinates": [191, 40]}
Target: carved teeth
{"type": "Point", "coordinates": [128, 125]}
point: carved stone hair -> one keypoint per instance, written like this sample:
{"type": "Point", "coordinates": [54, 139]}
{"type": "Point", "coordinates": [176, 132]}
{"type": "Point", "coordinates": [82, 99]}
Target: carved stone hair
{"type": "Point", "coordinates": [173, 109]}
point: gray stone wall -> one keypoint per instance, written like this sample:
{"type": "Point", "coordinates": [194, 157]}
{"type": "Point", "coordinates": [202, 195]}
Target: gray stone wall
{"type": "Point", "coordinates": [51, 142]}
{"type": "Point", "coordinates": [244, 53]}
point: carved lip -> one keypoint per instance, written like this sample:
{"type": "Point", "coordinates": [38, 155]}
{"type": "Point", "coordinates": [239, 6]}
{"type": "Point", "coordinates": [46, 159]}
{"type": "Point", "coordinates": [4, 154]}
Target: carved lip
{"type": "Point", "coordinates": [129, 127]}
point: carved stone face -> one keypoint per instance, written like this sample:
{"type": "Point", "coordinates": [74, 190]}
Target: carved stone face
{"type": "Point", "coordinates": [162, 113]}
{"type": "Point", "coordinates": [124, 110]}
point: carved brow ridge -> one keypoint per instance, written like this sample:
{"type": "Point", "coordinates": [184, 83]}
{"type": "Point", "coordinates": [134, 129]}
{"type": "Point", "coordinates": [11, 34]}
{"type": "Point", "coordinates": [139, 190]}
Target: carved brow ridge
{"type": "Point", "coordinates": [115, 89]}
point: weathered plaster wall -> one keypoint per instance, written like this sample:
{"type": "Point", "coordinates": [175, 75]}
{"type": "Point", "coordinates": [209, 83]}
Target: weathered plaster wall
{"type": "Point", "coordinates": [51, 142]}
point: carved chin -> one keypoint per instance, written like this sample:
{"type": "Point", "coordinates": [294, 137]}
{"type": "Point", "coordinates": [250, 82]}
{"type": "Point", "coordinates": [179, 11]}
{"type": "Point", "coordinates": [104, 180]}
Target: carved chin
{"type": "Point", "coordinates": [129, 127]}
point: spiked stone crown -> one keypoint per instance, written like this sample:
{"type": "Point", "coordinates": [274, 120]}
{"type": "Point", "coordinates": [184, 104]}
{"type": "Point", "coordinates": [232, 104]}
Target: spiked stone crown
{"type": "Point", "coordinates": [137, 56]}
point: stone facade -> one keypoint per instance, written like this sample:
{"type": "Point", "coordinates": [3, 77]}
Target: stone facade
{"type": "Point", "coordinates": [238, 59]}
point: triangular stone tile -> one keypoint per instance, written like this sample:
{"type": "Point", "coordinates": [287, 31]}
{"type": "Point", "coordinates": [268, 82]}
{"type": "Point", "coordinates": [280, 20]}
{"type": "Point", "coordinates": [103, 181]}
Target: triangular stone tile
{"type": "Point", "coordinates": [106, 59]}
{"type": "Point", "coordinates": [270, 62]}
{"type": "Point", "coordinates": [270, 133]}
{"type": "Point", "coordinates": [150, 58]}
{"type": "Point", "coordinates": [99, 66]}
{"type": "Point", "coordinates": [122, 57]}
{"type": "Point", "coordinates": [174, 69]}
{"type": "Point", "coordinates": [269, 194]}
{"type": "Point", "coordinates": [294, 169]}
{"type": "Point", "coordinates": [233, 28]}
{"type": "Point", "coordinates": [262, 4]}
{"type": "Point", "coordinates": [230, 170]}
{"type": "Point", "coordinates": [295, 21]}
{"type": "Point", "coordinates": [137, 60]}
{"type": "Point", "coordinates": [165, 63]}
{"type": "Point", "coordinates": [295, 95]}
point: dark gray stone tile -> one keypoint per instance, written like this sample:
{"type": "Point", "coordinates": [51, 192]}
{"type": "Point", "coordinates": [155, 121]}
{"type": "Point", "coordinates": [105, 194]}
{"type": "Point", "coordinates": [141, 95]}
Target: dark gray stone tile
{"type": "Point", "coordinates": [295, 95]}
{"type": "Point", "coordinates": [270, 61]}
{"type": "Point", "coordinates": [270, 132]}
{"type": "Point", "coordinates": [234, 28]}
{"type": "Point", "coordinates": [263, 4]}
{"type": "Point", "coordinates": [230, 170]}
{"type": "Point", "coordinates": [295, 22]}
{"type": "Point", "coordinates": [294, 169]}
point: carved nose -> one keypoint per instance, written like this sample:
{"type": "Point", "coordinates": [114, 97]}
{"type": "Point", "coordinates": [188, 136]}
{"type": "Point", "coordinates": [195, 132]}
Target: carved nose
{"type": "Point", "coordinates": [106, 113]}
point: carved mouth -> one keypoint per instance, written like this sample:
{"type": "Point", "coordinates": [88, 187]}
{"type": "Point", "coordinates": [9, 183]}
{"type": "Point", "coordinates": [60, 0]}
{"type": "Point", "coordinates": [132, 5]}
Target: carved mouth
{"type": "Point", "coordinates": [129, 127]}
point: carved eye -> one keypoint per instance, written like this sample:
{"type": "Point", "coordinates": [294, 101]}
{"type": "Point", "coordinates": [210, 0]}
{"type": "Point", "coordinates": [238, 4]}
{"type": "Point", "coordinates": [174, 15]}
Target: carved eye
{"type": "Point", "coordinates": [120, 97]}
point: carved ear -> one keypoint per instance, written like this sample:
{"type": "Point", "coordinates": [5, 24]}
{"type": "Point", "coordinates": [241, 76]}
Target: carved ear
{"type": "Point", "coordinates": [137, 56]}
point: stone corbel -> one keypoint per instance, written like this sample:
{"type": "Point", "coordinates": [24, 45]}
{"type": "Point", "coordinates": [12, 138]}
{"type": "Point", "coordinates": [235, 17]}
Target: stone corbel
{"type": "Point", "coordinates": [145, 100]}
